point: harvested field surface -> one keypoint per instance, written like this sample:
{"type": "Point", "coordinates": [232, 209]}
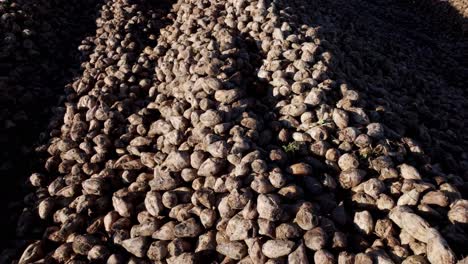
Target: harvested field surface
{"type": "Point", "coordinates": [234, 131]}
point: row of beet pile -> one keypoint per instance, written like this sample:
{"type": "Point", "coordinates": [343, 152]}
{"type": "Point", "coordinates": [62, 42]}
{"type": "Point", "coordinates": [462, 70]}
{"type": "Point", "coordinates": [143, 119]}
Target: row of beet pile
{"type": "Point", "coordinates": [38, 56]}
{"type": "Point", "coordinates": [226, 132]}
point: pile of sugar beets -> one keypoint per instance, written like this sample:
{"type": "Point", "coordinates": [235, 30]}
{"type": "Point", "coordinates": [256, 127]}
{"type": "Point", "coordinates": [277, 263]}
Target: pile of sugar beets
{"type": "Point", "coordinates": [38, 55]}
{"type": "Point", "coordinates": [224, 131]}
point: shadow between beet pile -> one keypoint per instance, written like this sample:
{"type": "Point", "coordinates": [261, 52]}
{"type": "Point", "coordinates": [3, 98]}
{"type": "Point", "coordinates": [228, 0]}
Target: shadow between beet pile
{"type": "Point", "coordinates": [31, 87]}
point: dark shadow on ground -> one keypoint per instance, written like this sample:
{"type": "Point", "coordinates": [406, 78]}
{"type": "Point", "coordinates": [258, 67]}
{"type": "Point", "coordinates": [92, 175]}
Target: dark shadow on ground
{"type": "Point", "coordinates": [33, 73]}
{"type": "Point", "coordinates": [445, 16]}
